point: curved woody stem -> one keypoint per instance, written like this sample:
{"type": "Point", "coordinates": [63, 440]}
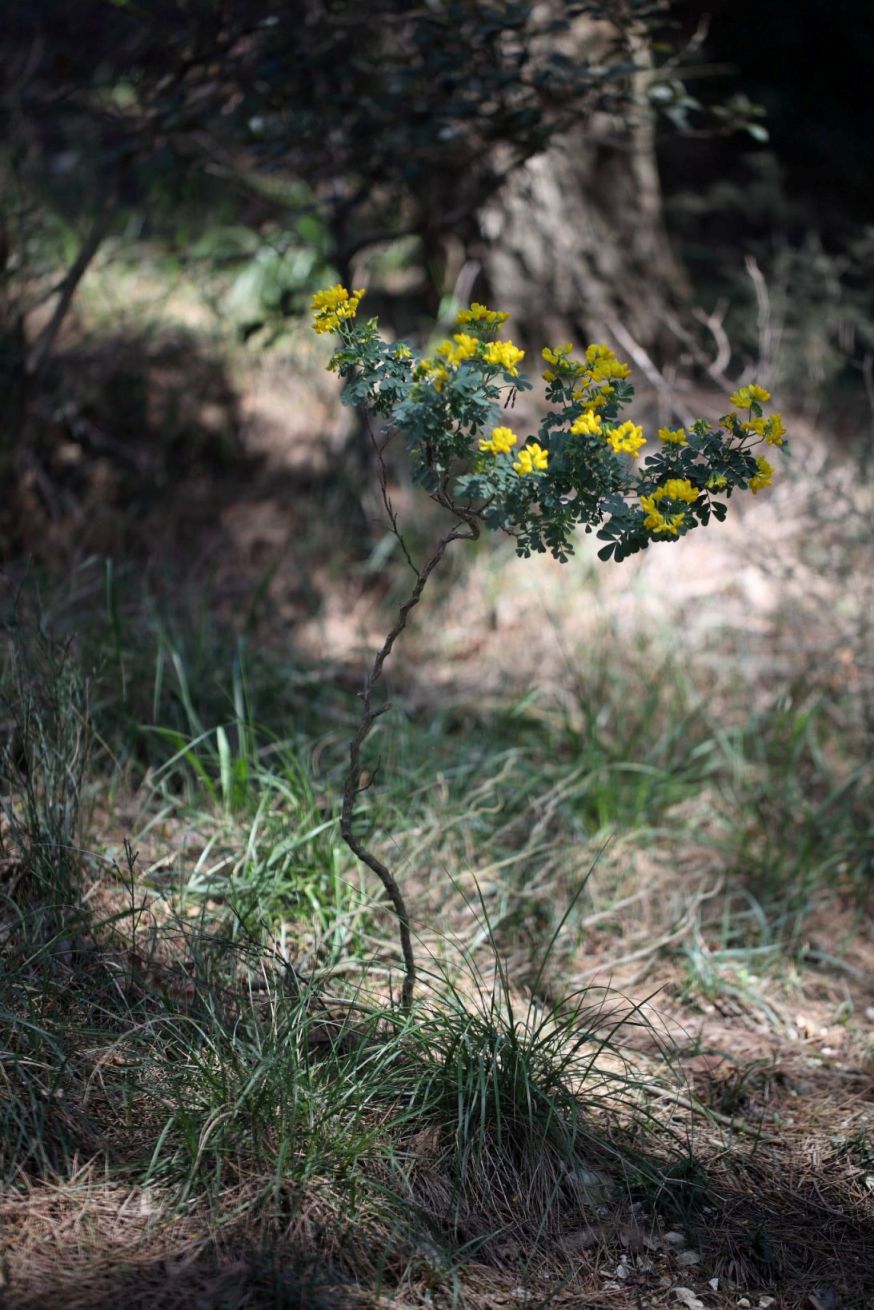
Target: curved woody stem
{"type": "Point", "coordinates": [369, 715]}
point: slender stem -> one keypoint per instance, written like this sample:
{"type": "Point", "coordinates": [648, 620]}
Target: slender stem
{"type": "Point", "coordinates": [369, 715]}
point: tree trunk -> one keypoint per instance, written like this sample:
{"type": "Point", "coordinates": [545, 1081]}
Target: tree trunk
{"type": "Point", "coordinates": [575, 241]}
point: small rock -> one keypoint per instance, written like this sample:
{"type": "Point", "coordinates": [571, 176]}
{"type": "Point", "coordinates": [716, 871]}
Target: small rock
{"type": "Point", "coordinates": [714, 1283]}
{"type": "Point", "coordinates": [743, 1303]}
{"type": "Point", "coordinates": [765, 1301]}
{"type": "Point", "coordinates": [674, 1238]}
{"type": "Point", "coordinates": [686, 1258]}
{"type": "Point", "coordinates": [596, 1186]}
{"type": "Point", "coordinates": [688, 1298]}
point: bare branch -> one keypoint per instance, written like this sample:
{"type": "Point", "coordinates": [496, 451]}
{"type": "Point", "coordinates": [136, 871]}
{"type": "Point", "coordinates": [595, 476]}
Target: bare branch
{"type": "Point", "coordinates": [714, 323]}
{"type": "Point", "coordinates": [767, 331]}
{"type": "Point", "coordinates": [67, 288]}
{"type": "Point", "coordinates": [647, 365]}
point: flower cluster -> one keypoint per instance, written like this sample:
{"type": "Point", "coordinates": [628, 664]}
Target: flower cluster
{"type": "Point", "coordinates": [333, 307]}
{"type": "Point", "coordinates": [477, 347]}
{"type": "Point", "coordinates": [752, 398]}
{"type": "Point", "coordinates": [480, 314]}
{"type": "Point", "coordinates": [584, 468]}
{"type": "Point", "coordinates": [626, 439]}
{"type": "Point", "coordinates": [462, 346]}
{"type": "Point", "coordinates": [603, 364]}
{"type": "Point", "coordinates": [589, 424]}
{"type": "Point", "coordinates": [505, 356]}
{"type": "Point", "coordinates": [561, 363]}
{"type": "Point", "coordinates": [772, 429]}
{"type": "Point", "coordinates": [746, 397]}
{"type": "Point", "coordinates": [675, 490]}
{"type": "Point", "coordinates": [501, 441]}
{"type": "Point", "coordinates": [533, 459]}
{"type": "Point", "coordinates": [763, 477]}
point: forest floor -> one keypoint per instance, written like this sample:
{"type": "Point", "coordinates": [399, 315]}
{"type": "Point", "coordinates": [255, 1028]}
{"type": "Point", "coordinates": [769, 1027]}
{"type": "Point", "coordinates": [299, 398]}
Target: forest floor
{"type": "Point", "coordinates": [630, 808]}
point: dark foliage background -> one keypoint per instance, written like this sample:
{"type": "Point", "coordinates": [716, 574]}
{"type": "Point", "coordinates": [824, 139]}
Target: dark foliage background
{"type": "Point", "coordinates": [589, 165]}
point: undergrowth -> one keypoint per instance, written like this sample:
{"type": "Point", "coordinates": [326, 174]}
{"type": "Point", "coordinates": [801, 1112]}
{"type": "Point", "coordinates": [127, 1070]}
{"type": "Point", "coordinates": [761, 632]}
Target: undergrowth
{"type": "Point", "coordinates": [197, 985]}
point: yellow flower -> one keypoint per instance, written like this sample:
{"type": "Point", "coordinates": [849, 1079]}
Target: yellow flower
{"type": "Point", "coordinates": [504, 355]}
{"type": "Point", "coordinates": [772, 429]}
{"type": "Point", "coordinates": [588, 425]}
{"type": "Point", "coordinates": [403, 352]}
{"type": "Point", "coordinates": [673, 489]}
{"type": "Point", "coordinates": [557, 356]}
{"type": "Point", "coordinates": [465, 347]}
{"type": "Point", "coordinates": [673, 524]}
{"type": "Point", "coordinates": [502, 441]}
{"type": "Point", "coordinates": [601, 372]}
{"type": "Point", "coordinates": [654, 517]}
{"type": "Point", "coordinates": [678, 489]}
{"type": "Point", "coordinates": [329, 298]}
{"type": "Point", "coordinates": [673, 436]}
{"type": "Point", "coordinates": [764, 476]}
{"type": "Point", "coordinates": [532, 459]}
{"type": "Point", "coordinates": [481, 314]}
{"type": "Point", "coordinates": [747, 396]}
{"type": "Point", "coordinates": [596, 401]}
{"type": "Point", "coordinates": [561, 362]}
{"type": "Point", "coordinates": [332, 305]}
{"type": "Point", "coordinates": [716, 482]}
{"type": "Point", "coordinates": [656, 521]}
{"type": "Point", "coordinates": [627, 439]}
{"type": "Point", "coordinates": [603, 364]}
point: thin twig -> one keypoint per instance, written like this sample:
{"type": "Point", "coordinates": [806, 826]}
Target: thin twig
{"type": "Point", "coordinates": [696, 1107]}
{"type": "Point", "coordinates": [386, 499]}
